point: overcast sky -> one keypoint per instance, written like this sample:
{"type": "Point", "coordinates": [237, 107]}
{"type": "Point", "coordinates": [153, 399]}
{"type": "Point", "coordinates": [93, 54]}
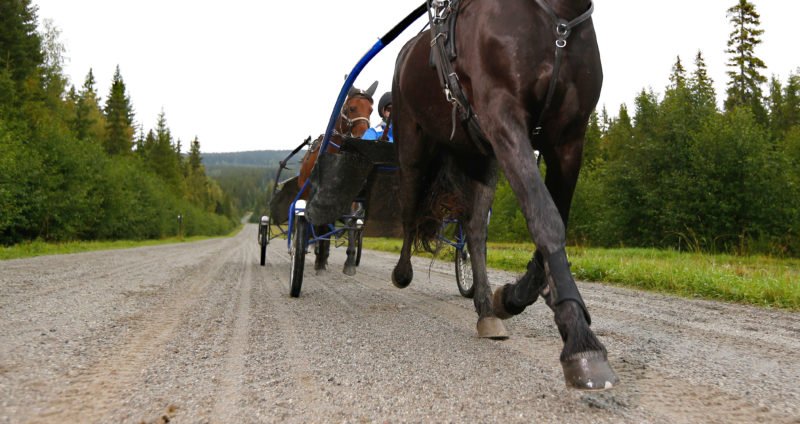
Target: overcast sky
{"type": "Point", "coordinates": [256, 75]}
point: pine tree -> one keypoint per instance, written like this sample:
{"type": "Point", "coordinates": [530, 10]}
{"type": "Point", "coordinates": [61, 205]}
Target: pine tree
{"type": "Point", "coordinates": [744, 87]}
{"type": "Point", "coordinates": [119, 118]}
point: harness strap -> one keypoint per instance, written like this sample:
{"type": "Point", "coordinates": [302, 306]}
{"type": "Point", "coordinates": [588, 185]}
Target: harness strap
{"type": "Point", "coordinates": [442, 14]}
{"type": "Point", "coordinates": [563, 29]}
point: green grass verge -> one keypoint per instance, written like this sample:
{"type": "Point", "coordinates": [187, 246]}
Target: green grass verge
{"type": "Point", "coordinates": [41, 248]}
{"type": "Point", "coordinates": [756, 280]}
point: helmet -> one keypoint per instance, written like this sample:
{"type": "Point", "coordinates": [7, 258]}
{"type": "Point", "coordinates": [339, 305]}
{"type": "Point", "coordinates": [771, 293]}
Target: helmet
{"type": "Point", "coordinates": [385, 100]}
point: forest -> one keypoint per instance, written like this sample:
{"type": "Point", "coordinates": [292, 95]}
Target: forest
{"type": "Point", "coordinates": [73, 167]}
{"type": "Point", "coordinates": [679, 172]}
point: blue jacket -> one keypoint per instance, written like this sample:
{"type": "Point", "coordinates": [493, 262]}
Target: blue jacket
{"type": "Point", "coordinates": [375, 133]}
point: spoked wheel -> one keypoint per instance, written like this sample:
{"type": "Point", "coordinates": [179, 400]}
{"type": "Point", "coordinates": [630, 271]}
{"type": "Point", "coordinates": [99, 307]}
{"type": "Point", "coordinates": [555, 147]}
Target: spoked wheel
{"type": "Point", "coordinates": [464, 273]}
{"type": "Point", "coordinates": [359, 245]}
{"type": "Point", "coordinates": [298, 254]}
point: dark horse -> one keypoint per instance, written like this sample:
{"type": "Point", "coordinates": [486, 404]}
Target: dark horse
{"type": "Point", "coordinates": [506, 60]}
{"type": "Point", "coordinates": [353, 122]}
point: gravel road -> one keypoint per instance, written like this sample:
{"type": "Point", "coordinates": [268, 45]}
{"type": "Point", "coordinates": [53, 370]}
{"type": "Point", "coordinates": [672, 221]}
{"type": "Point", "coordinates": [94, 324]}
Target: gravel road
{"type": "Point", "coordinates": [199, 332]}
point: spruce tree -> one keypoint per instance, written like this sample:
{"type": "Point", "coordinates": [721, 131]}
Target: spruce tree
{"type": "Point", "coordinates": [791, 101]}
{"type": "Point", "coordinates": [744, 87]}
{"type": "Point", "coordinates": [20, 44]}
{"type": "Point", "coordinates": [702, 86]}
{"type": "Point", "coordinates": [119, 118]}
{"type": "Point", "coordinates": [678, 77]}
{"type": "Point", "coordinates": [195, 160]}
{"type": "Point", "coordinates": [88, 122]}
{"type": "Point", "coordinates": [161, 156]}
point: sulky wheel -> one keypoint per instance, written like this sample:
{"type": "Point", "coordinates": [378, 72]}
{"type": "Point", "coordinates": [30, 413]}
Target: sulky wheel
{"type": "Point", "coordinates": [464, 272]}
{"type": "Point", "coordinates": [298, 255]}
{"type": "Point", "coordinates": [263, 238]}
{"type": "Point", "coordinates": [359, 245]}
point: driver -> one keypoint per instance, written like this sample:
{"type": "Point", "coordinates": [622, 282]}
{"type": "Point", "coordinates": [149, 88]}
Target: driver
{"type": "Point", "coordinates": [385, 112]}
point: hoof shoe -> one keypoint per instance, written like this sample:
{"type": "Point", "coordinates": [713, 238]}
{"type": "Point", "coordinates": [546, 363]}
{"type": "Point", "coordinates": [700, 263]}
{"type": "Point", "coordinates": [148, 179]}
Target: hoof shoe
{"type": "Point", "coordinates": [492, 328]}
{"type": "Point", "coordinates": [589, 371]}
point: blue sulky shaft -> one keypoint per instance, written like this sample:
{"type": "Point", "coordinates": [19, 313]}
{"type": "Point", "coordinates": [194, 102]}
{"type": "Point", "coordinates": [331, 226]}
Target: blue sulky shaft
{"type": "Point", "coordinates": [351, 78]}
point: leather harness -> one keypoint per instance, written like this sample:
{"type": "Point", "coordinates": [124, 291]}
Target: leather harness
{"type": "Point", "coordinates": [442, 15]}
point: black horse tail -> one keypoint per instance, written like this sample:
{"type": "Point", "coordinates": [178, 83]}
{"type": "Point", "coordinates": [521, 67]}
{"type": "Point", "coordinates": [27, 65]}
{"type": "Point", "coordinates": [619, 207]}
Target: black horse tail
{"type": "Point", "coordinates": [442, 199]}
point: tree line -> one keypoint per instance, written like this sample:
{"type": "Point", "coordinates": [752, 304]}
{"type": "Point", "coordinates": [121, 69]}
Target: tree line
{"type": "Point", "coordinates": [75, 167]}
{"type": "Point", "coordinates": [679, 172]}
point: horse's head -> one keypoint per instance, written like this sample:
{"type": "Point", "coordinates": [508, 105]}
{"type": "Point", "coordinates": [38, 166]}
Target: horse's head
{"type": "Point", "coordinates": [354, 119]}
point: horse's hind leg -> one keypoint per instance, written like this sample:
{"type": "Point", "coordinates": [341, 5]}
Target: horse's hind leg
{"type": "Point", "coordinates": [413, 165]}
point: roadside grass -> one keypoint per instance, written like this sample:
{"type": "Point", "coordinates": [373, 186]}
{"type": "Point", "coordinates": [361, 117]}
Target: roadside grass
{"type": "Point", "coordinates": [41, 248]}
{"type": "Point", "coordinates": [755, 280]}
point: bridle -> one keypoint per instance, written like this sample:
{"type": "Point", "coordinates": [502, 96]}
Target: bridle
{"type": "Point", "coordinates": [348, 124]}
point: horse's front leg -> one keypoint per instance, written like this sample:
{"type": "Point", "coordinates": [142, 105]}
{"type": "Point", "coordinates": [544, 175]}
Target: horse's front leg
{"type": "Point", "coordinates": [477, 221]}
{"type": "Point", "coordinates": [353, 235]}
{"type": "Point", "coordinates": [563, 167]}
{"type": "Point", "coordinates": [350, 262]}
{"type": "Point", "coordinates": [583, 358]}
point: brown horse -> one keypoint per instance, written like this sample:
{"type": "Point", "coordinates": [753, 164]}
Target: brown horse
{"type": "Point", "coordinates": [353, 122]}
{"type": "Point", "coordinates": [525, 95]}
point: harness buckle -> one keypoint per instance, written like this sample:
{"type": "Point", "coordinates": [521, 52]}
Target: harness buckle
{"type": "Point", "coordinates": [435, 39]}
{"type": "Point", "coordinates": [561, 43]}
{"type": "Point", "coordinates": [449, 95]}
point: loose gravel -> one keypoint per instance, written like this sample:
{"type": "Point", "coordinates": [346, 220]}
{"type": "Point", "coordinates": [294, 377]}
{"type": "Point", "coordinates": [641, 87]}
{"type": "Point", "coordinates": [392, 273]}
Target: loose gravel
{"type": "Point", "coordinates": [200, 332]}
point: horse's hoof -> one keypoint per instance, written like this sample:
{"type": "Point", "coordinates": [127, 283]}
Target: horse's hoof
{"type": "Point", "coordinates": [492, 328]}
{"type": "Point", "coordinates": [497, 304]}
{"type": "Point", "coordinates": [349, 270]}
{"type": "Point", "coordinates": [401, 282]}
{"type": "Point", "coordinates": [589, 371]}
{"type": "Point", "coordinates": [319, 271]}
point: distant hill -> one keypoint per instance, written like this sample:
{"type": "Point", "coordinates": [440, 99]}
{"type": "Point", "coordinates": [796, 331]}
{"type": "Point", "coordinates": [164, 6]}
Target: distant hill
{"type": "Point", "coordinates": [255, 158]}
{"type": "Point", "coordinates": [248, 177]}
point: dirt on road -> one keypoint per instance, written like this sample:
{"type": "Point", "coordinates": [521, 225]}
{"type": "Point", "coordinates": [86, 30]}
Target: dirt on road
{"type": "Point", "coordinates": [200, 332]}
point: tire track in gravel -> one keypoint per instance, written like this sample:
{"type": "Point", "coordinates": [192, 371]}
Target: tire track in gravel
{"type": "Point", "coordinates": [287, 311]}
{"type": "Point", "coordinates": [229, 394]}
{"type": "Point", "coordinates": [96, 392]}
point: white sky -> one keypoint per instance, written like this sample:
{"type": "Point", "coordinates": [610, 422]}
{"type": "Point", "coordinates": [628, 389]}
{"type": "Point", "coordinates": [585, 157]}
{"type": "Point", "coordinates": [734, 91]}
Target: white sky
{"type": "Point", "coordinates": [257, 75]}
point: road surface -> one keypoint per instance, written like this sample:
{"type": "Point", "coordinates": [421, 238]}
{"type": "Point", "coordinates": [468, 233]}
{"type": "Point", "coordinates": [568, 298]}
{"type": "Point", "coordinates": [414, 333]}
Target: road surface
{"type": "Point", "coordinates": [199, 332]}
